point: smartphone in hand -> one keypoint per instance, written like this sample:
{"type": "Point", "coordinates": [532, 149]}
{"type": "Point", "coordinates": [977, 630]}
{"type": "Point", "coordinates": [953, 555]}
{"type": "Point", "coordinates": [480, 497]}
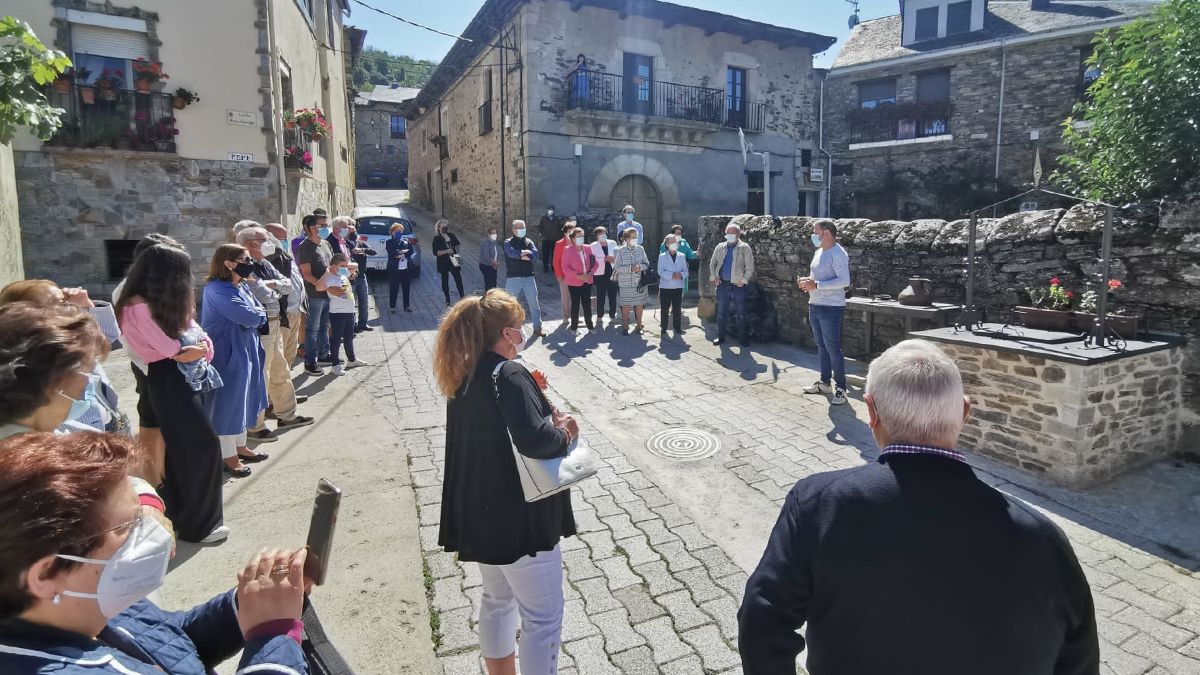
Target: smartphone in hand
{"type": "Point", "coordinates": [320, 531]}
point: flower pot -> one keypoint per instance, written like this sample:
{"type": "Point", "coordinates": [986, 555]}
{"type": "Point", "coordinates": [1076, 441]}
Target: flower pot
{"type": "Point", "coordinates": [179, 103]}
{"type": "Point", "coordinates": [164, 146]}
{"type": "Point", "coordinates": [62, 85]}
{"type": "Point", "coordinates": [87, 95]}
{"type": "Point", "coordinates": [1046, 319]}
{"type": "Point", "coordinates": [143, 86]}
{"type": "Point", "coordinates": [108, 94]}
{"type": "Point", "coordinates": [1123, 325]}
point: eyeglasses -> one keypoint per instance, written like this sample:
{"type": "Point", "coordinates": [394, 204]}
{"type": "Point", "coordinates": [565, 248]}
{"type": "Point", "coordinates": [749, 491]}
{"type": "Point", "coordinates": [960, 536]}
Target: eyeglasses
{"type": "Point", "coordinates": [126, 527]}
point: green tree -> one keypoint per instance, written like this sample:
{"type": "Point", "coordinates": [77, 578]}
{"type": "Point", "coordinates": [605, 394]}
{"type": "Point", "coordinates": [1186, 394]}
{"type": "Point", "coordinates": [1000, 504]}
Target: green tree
{"type": "Point", "coordinates": [1142, 137]}
{"type": "Point", "coordinates": [378, 67]}
{"type": "Point", "coordinates": [26, 67]}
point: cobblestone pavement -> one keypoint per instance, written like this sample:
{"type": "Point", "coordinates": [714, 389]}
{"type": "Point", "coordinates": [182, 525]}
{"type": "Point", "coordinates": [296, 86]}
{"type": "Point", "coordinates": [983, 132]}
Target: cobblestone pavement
{"type": "Point", "coordinates": [655, 577]}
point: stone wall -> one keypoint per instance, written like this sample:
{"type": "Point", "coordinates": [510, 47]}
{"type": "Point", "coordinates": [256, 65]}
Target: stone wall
{"type": "Point", "coordinates": [1041, 84]}
{"type": "Point", "coordinates": [11, 266]}
{"type": "Point", "coordinates": [1080, 425]}
{"type": "Point", "coordinates": [375, 149]}
{"type": "Point", "coordinates": [77, 205]}
{"type": "Point", "coordinates": [1156, 255]}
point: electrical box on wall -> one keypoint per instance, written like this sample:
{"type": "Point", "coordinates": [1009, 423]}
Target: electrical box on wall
{"type": "Point", "coordinates": [579, 149]}
{"type": "Point", "coordinates": [508, 121]}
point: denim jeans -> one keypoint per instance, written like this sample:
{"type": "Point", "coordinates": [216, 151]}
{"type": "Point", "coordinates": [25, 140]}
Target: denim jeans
{"type": "Point", "coordinates": [731, 297]}
{"type": "Point", "coordinates": [527, 286]}
{"type": "Point", "coordinates": [343, 336]}
{"type": "Point", "coordinates": [489, 277]}
{"type": "Point", "coordinates": [362, 294]}
{"type": "Point", "coordinates": [316, 330]}
{"type": "Point", "coordinates": [826, 323]}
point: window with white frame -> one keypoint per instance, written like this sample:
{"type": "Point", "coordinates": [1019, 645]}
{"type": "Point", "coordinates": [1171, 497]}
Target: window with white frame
{"type": "Point", "coordinates": [105, 55]}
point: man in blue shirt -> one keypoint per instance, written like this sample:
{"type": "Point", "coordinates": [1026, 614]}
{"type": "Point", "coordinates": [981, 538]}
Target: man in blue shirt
{"type": "Point", "coordinates": [628, 223]}
{"type": "Point", "coordinates": [826, 284]}
{"type": "Point", "coordinates": [519, 255]}
{"type": "Point", "coordinates": [730, 269]}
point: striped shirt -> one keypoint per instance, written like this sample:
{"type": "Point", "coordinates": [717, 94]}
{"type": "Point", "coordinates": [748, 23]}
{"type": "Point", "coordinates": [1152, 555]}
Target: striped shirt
{"type": "Point", "coordinates": [913, 449]}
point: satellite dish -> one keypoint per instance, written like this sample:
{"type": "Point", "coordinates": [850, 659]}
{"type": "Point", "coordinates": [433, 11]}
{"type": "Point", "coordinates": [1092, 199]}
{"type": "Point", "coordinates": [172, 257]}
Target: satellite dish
{"type": "Point", "coordinates": [852, 21]}
{"type": "Point", "coordinates": [745, 147]}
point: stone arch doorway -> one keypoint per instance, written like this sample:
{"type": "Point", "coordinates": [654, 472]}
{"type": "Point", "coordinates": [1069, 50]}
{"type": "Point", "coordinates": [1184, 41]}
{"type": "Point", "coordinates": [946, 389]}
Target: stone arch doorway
{"type": "Point", "coordinates": [641, 192]}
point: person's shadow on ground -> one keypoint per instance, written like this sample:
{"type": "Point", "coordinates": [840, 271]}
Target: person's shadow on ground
{"type": "Point", "coordinates": [626, 349]}
{"type": "Point", "coordinates": [673, 348]}
{"type": "Point", "coordinates": [848, 429]}
{"type": "Point", "coordinates": [742, 362]}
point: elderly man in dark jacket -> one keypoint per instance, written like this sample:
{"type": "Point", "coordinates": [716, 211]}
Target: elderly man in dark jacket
{"type": "Point", "coordinates": [912, 565]}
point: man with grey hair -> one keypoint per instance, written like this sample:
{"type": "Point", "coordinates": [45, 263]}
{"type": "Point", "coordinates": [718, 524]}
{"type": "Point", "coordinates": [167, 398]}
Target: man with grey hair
{"type": "Point", "coordinates": [520, 253]}
{"type": "Point", "coordinates": [272, 290]}
{"type": "Point", "coordinates": [912, 563]}
{"type": "Point", "coordinates": [730, 269]}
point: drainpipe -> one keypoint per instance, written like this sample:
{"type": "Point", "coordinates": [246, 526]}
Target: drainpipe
{"type": "Point", "coordinates": [276, 106]}
{"type": "Point", "coordinates": [1000, 119]}
{"type": "Point", "coordinates": [332, 156]}
{"type": "Point", "coordinates": [824, 210]}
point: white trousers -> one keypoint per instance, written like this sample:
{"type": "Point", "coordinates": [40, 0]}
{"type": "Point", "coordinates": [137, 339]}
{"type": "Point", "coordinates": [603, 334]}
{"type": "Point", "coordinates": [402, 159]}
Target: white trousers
{"type": "Point", "coordinates": [533, 588]}
{"type": "Point", "coordinates": [230, 444]}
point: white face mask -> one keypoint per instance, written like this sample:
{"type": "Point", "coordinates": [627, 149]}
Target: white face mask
{"type": "Point", "coordinates": [550, 212]}
{"type": "Point", "coordinates": [136, 570]}
{"type": "Point", "coordinates": [525, 335]}
{"type": "Point", "coordinates": [603, 238]}
{"type": "Point", "coordinates": [492, 236]}
{"type": "Point", "coordinates": [731, 238]}
{"type": "Point", "coordinates": [672, 247]}
{"type": "Point", "coordinates": [267, 249]}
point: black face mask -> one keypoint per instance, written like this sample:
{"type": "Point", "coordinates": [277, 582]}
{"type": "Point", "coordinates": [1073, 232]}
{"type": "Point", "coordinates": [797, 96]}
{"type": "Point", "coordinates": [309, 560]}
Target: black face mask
{"type": "Point", "coordinates": [243, 269]}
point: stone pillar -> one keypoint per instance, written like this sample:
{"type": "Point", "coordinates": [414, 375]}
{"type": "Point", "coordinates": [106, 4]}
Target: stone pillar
{"type": "Point", "coordinates": [12, 266]}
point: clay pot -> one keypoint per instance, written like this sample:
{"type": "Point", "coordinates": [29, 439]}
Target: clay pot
{"type": "Point", "coordinates": [143, 86]}
{"type": "Point", "coordinates": [62, 85]}
{"type": "Point", "coordinates": [918, 293]}
{"type": "Point", "coordinates": [178, 102]}
{"type": "Point", "coordinates": [87, 95]}
{"type": "Point", "coordinates": [1046, 319]}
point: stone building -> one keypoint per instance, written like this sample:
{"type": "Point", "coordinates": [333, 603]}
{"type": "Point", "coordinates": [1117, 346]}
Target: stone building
{"type": "Point", "coordinates": [510, 123]}
{"type": "Point", "coordinates": [129, 161]}
{"type": "Point", "coordinates": [936, 111]}
{"type": "Point", "coordinates": [381, 138]}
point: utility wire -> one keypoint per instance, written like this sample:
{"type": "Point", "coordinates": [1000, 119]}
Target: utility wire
{"type": "Point", "coordinates": [424, 27]}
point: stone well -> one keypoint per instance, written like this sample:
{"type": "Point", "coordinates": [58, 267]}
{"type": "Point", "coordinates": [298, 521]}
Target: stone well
{"type": "Point", "coordinates": [1080, 416]}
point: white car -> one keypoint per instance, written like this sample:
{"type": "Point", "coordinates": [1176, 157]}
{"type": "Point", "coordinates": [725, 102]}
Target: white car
{"type": "Point", "coordinates": [374, 227]}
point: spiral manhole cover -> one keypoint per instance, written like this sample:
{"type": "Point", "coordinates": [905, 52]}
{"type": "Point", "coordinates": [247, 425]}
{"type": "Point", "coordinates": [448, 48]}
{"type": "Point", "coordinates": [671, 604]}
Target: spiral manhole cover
{"type": "Point", "coordinates": [683, 444]}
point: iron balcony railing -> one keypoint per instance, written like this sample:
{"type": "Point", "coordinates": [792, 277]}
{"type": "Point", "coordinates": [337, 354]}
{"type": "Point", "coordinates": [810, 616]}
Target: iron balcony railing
{"type": "Point", "coordinates": [596, 90]}
{"type": "Point", "coordinates": [899, 121]}
{"type": "Point", "coordinates": [114, 118]}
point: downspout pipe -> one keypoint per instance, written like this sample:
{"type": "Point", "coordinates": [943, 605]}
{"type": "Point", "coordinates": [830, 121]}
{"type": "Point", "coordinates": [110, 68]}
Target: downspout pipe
{"type": "Point", "coordinates": [824, 210]}
{"type": "Point", "coordinates": [275, 112]}
{"type": "Point", "coordinates": [1000, 118]}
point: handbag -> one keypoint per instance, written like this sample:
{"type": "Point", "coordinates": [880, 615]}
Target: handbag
{"type": "Point", "coordinates": [455, 260]}
{"type": "Point", "coordinates": [649, 278]}
{"type": "Point", "coordinates": [319, 653]}
{"type": "Point", "coordinates": [541, 478]}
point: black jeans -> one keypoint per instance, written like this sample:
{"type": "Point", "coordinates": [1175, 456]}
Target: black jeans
{"type": "Point", "coordinates": [457, 272]}
{"type": "Point", "coordinates": [342, 327]}
{"type": "Point", "coordinates": [671, 300]}
{"type": "Point", "coordinates": [396, 279]}
{"type": "Point", "coordinates": [605, 288]}
{"type": "Point", "coordinates": [548, 253]}
{"type": "Point", "coordinates": [489, 277]}
{"type": "Point", "coordinates": [362, 294]}
{"type": "Point", "coordinates": [581, 295]}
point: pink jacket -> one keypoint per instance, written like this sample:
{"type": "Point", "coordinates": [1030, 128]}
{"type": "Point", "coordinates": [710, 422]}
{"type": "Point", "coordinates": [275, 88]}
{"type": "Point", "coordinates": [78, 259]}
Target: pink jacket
{"type": "Point", "coordinates": [140, 332]}
{"type": "Point", "coordinates": [573, 265]}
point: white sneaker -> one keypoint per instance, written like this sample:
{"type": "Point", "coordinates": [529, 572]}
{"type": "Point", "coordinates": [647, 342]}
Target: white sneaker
{"type": "Point", "coordinates": [819, 387]}
{"type": "Point", "coordinates": [219, 534]}
{"type": "Point", "coordinates": [339, 370]}
{"type": "Point", "coordinates": [356, 364]}
{"type": "Point", "coordinates": [839, 396]}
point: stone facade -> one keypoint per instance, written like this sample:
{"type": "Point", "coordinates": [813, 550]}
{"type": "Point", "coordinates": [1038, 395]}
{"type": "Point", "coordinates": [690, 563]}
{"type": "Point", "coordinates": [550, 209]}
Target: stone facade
{"type": "Point", "coordinates": [1156, 254]}
{"type": "Point", "coordinates": [81, 211]}
{"type": "Point", "coordinates": [1041, 85]}
{"type": "Point", "coordinates": [684, 168]}
{"type": "Point", "coordinates": [375, 147]}
{"type": "Point", "coordinates": [1080, 425]}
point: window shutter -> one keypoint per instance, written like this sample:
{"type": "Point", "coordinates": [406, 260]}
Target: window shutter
{"type": "Point", "coordinates": [99, 41]}
{"type": "Point", "coordinates": [933, 86]}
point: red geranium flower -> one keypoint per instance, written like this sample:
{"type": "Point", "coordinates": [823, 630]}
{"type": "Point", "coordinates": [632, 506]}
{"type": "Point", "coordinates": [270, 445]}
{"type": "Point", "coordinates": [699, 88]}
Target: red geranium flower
{"type": "Point", "coordinates": [1053, 281]}
{"type": "Point", "coordinates": [1114, 284]}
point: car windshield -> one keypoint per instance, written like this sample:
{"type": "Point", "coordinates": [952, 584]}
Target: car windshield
{"type": "Point", "coordinates": [381, 225]}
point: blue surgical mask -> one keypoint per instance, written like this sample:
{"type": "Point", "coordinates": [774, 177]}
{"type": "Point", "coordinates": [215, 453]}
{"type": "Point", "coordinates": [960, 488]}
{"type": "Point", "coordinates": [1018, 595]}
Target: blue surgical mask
{"type": "Point", "coordinates": [398, 235]}
{"type": "Point", "coordinates": [323, 233]}
{"type": "Point", "coordinates": [579, 241]}
{"type": "Point", "coordinates": [816, 240]}
{"type": "Point", "coordinates": [521, 233]}
{"type": "Point", "coordinates": [629, 216]}
{"type": "Point", "coordinates": [343, 273]}
{"type": "Point", "coordinates": [82, 405]}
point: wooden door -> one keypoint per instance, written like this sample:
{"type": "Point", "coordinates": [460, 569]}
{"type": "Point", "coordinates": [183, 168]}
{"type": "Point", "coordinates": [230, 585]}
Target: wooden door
{"type": "Point", "coordinates": [638, 84]}
{"type": "Point", "coordinates": [641, 193]}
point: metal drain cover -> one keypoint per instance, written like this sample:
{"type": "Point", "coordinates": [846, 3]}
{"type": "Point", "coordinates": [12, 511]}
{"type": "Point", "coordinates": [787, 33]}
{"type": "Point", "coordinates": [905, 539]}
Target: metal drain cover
{"type": "Point", "coordinates": [684, 444]}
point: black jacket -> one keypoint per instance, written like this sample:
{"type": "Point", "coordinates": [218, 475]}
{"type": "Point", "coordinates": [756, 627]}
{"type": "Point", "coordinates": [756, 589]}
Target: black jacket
{"type": "Point", "coordinates": [484, 514]}
{"type": "Point", "coordinates": [444, 242]}
{"type": "Point", "coordinates": [396, 247]}
{"type": "Point", "coordinates": [915, 566]}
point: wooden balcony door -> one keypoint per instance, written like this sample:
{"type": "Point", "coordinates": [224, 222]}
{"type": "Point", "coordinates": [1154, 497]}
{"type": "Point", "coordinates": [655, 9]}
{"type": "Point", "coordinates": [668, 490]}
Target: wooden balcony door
{"type": "Point", "coordinates": [638, 84]}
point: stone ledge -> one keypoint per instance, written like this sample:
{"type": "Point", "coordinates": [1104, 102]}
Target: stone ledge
{"type": "Point", "coordinates": [1072, 351]}
{"type": "Point", "coordinates": [109, 152]}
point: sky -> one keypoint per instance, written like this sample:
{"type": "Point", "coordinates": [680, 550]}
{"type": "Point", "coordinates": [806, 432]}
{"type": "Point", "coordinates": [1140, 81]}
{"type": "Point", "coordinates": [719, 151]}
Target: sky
{"type": "Point", "coordinates": [826, 17]}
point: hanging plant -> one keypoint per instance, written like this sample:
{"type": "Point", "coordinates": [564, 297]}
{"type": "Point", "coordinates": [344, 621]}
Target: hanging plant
{"type": "Point", "coordinates": [311, 120]}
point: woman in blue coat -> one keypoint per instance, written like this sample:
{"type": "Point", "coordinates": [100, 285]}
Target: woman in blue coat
{"type": "Point", "coordinates": [231, 316]}
{"type": "Point", "coordinates": [400, 266]}
{"type": "Point", "coordinates": [79, 560]}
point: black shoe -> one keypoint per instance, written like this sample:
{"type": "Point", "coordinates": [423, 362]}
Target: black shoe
{"type": "Point", "coordinates": [364, 329]}
{"type": "Point", "coordinates": [313, 369]}
{"type": "Point", "coordinates": [408, 309]}
{"type": "Point", "coordinates": [744, 343]}
{"type": "Point", "coordinates": [236, 473]}
{"type": "Point", "coordinates": [269, 414]}
{"type": "Point", "coordinates": [264, 436]}
{"type": "Point", "coordinates": [297, 421]}
{"type": "Point", "coordinates": [253, 459]}
{"type": "Point", "coordinates": [326, 359]}
{"type": "Point", "coordinates": [719, 341]}
{"type": "Point", "coordinates": [301, 399]}
{"type": "Point", "coordinates": [358, 330]}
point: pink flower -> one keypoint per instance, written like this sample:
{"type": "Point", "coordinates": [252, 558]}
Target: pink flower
{"type": "Point", "coordinates": [1114, 284]}
{"type": "Point", "coordinates": [1053, 281]}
